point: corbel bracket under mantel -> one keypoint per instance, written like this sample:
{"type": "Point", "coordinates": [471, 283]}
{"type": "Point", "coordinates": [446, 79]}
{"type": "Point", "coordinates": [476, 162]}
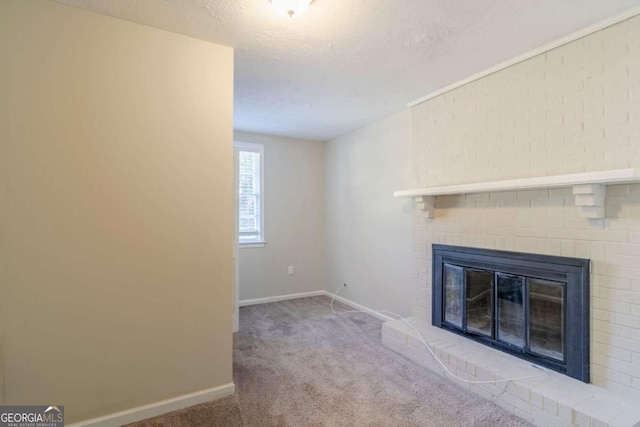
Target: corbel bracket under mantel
{"type": "Point", "coordinates": [589, 189]}
{"type": "Point", "coordinates": [426, 204]}
{"type": "Point", "coordinates": [590, 199]}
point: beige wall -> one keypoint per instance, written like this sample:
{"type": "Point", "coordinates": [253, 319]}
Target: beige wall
{"type": "Point", "coordinates": [115, 210]}
{"type": "Point", "coordinates": [573, 109]}
{"type": "Point", "coordinates": [294, 215]}
{"type": "Point", "coordinates": [368, 232]}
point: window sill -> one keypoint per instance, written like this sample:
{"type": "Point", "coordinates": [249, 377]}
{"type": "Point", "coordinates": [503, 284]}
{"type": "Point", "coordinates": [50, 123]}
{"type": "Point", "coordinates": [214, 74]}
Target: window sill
{"type": "Point", "coordinates": [252, 245]}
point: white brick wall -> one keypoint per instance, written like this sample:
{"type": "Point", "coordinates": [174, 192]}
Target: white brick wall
{"type": "Point", "coordinates": [573, 109]}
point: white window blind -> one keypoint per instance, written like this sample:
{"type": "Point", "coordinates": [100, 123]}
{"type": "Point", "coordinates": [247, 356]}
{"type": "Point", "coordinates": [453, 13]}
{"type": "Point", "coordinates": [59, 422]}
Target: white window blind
{"type": "Point", "coordinates": [249, 167]}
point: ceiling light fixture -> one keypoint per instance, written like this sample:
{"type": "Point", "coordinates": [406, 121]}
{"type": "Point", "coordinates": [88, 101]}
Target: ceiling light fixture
{"type": "Point", "coordinates": [290, 7]}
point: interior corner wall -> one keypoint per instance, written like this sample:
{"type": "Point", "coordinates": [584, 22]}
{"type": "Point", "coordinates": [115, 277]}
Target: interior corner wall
{"type": "Point", "coordinates": [368, 231]}
{"type": "Point", "coordinates": [573, 109]}
{"type": "Point", "coordinates": [294, 218]}
{"type": "Point", "coordinates": [116, 210]}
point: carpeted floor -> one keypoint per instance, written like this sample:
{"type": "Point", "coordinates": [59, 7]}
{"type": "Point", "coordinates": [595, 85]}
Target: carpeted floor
{"type": "Point", "coordinates": [297, 364]}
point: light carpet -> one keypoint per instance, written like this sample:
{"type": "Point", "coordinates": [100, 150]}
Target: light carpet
{"type": "Point", "coordinates": [298, 364]}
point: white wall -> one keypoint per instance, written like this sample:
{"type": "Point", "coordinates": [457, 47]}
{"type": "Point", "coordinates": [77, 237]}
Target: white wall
{"type": "Point", "coordinates": [573, 109]}
{"type": "Point", "coordinates": [294, 218]}
{"type": "Point", "coordinates": [116, 189]}
{"type": "Point", "coordinates": [368, 232]}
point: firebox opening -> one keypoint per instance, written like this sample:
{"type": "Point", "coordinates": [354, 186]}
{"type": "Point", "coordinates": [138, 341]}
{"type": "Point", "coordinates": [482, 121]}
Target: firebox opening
{"type": "Point", "coordinates": [532, 306]}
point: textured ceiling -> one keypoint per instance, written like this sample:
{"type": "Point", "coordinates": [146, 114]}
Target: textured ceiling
{"type": "Point", "coordinates": [344, 64]}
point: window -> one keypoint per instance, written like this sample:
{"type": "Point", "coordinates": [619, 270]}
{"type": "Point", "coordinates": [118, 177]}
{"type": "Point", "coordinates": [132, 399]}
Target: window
{"type": "Point", "coordinates": [249, 158]}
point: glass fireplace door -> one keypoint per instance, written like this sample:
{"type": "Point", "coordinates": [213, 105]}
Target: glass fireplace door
{"type": "Point", "coordinates": [511, 314]}
{"type": "Point", "coordinates": [525, 314]}
{"type": "Point", "coordinates": [453, 294]}
{"type": "Point", "coordinates": [546, 318]}
{"type": "Point", "coordinates": [479, 302]}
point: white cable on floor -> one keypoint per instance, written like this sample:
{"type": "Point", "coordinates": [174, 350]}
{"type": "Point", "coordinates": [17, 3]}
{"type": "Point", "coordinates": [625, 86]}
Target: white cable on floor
{"type": "Point", "coordinates": [428, 347]}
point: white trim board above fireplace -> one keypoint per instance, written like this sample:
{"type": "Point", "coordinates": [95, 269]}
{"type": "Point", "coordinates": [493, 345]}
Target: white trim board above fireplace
{"type": "Point", "coordinates": [589, 189]}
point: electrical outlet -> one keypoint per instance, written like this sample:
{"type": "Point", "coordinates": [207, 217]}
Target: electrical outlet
{"type": "Point", "coordinates": [290, 270]}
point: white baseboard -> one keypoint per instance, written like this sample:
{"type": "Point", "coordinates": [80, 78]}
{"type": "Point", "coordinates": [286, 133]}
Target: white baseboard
{"type": "Point", "coordinates": [158, 408]}
{"type": "Point", "coordinates": [246, 302]}
{"type": "Point", "coordinates": [164, 406]}
{"type": "Point", "coordinates": [338, 298]}
{"type": "Point", "coordinates": [357, 306]}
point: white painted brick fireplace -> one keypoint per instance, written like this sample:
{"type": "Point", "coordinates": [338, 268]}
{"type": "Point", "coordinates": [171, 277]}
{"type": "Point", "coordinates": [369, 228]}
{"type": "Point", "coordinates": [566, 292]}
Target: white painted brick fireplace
{"type": "Point", "coordinates": [573, 109]}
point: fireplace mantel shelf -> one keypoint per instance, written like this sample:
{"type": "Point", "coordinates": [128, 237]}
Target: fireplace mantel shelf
{"type": "Point", "coordinates": [589, 189]}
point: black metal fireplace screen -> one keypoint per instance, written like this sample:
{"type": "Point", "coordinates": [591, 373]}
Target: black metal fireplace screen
{"type": "Point", "coordinates": [533, 306]}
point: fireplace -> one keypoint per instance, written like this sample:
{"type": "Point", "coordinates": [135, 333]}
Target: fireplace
{"type": "Point", "coordinates": [535, 307]}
